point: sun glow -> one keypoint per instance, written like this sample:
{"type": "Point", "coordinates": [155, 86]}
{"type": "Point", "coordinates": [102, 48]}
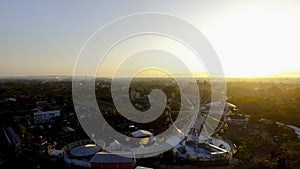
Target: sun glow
{"type": "Point", "coordinates": [257, 40]}
{"type": "Point", "coordinates": [251, 38]}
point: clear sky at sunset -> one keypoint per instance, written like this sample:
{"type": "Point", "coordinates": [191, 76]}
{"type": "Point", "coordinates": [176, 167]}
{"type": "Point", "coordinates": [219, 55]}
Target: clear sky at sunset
{"type": "Point", "coordinates": [251, 38]}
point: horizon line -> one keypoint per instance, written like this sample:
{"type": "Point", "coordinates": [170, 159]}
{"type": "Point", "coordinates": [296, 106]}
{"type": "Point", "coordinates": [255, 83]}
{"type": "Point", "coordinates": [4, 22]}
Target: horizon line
{"type": "Point", "coordinates": [158, 76]}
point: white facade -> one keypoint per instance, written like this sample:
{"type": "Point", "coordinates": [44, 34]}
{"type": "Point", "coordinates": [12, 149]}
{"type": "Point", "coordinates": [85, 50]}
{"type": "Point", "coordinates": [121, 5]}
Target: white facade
{"type": "Point", "coordinates": [43, 117]}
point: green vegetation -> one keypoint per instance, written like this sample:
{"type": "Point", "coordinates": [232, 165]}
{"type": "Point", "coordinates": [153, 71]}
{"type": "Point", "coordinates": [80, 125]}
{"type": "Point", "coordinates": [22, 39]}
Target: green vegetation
{"type": "Point", "coordinates": [275, 99]}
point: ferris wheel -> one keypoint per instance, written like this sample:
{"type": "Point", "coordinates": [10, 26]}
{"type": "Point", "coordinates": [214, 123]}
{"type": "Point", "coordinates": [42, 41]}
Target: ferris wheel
{"type": "Point", "coordinates": [208, 118]}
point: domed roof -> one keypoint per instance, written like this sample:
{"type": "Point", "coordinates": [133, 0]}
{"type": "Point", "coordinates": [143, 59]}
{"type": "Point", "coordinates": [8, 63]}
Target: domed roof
{"type": "Point", "coordinates": [85, 150]}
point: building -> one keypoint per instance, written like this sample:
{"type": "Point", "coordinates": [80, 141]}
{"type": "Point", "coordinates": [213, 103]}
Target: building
{"type": "Point", "coordinates": [85, 153]}
{"type": "Point", "coordinates": [115, 145]}
{"type": "Point", "coordinates": [45, 116]}
{"type": "Point", "coordinates": [42, 104]}
{"type": "Point", "coordinates": [120, 160]}
{"type": "Point", "coordinates": [238, 119]}
{"type": "Point", "coordinates": [67, 132]}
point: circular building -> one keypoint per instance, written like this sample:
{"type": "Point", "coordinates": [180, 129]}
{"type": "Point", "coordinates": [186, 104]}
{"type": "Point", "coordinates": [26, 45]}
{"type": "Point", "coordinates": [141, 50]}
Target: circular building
{"type": "Point", "coordinates": [85, 150]}
{"type": "Point", "coordinates": [85, 153]}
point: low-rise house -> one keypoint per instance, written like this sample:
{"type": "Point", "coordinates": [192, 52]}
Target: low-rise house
{"type": "Point", "coordinates": [45, 116]}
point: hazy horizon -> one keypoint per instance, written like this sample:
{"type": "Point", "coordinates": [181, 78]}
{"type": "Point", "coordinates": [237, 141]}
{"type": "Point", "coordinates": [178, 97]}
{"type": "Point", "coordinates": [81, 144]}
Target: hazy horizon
{"type": "Point", "coordinates": [279, 75]}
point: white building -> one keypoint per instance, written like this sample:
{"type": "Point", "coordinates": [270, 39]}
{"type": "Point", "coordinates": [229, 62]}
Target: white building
{"type": "Point", "coordinates": [45, 116]}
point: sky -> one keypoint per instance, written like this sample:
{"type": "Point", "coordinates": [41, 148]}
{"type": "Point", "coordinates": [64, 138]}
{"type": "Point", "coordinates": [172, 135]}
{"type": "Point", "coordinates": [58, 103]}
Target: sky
{"type": "Point", "coordinates": [251, 38]}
